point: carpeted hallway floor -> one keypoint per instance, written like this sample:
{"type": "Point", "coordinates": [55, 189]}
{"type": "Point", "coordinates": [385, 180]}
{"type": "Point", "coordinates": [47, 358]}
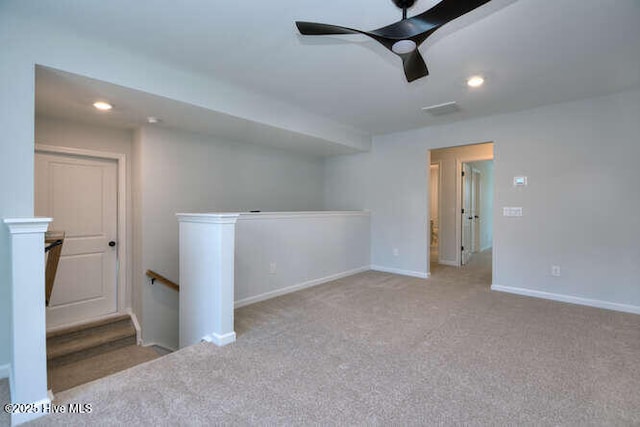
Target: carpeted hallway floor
{"type": "Point", "coordinates": [381, 349]}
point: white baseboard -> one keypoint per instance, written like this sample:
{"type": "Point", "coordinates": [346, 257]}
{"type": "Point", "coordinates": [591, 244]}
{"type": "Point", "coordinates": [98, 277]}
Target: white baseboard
{"type": "Point", "coordinates": [410, 273]}
{"type": "Point", "coordinates": [41, 406]}
{"type": "Point", "coordinates": [568, 298]}
{"type": "Point", "coordinates": [136, 325]}
{"type": "Point", "coordinates": [220, 340]}
{"type": "Point", "coordinates": [446, 262]}
{"type": "Point", "coordinates": [299, 286]}
{"type": "Point", "coordinates": [5, 371]}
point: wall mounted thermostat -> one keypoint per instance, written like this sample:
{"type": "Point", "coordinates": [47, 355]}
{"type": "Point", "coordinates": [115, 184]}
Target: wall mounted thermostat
{"type": "Point", "coordinates": [519, 181]}
{"type": "Point", "coordinates": [512, 211]}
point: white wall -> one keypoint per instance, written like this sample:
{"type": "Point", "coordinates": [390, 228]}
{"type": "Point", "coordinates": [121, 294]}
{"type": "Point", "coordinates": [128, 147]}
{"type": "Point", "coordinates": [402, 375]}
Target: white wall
{"type": "Point", "coordinates": [579, 207]}
{"type": "Point", "coordinates": [449, 159]}
{"type": "Point", "coordinates": [305, 248]}
{"type": "Point", "coordinates": [65, 133]}
{"type": "Point", "coordinates": [16, 161]}
{"type": "Point", "coordinates": [183, 172]}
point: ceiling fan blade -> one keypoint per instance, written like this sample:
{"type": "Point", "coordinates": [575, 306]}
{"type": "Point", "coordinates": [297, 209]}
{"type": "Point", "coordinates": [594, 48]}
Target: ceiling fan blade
{"type": "Point", "coordinates": [316, 29]}
{"type": "Point", "coordinates": [428, 21]}
{"type": "Point", "coordinates": [414, 65]}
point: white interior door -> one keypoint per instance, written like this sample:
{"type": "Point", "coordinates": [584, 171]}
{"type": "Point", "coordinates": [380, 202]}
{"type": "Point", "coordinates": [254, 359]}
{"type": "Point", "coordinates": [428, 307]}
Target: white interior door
{"type": "Point", "coordinates": [80, 194]}
{"type": "Point", "coordinates": [467, 217]}
{"type": "Point", "coordinates": [475, 210]}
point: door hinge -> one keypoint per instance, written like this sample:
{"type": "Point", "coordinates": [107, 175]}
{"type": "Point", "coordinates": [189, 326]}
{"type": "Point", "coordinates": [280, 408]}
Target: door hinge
{"type": "Point", "coordinates": [462, 210]}
{"type": "Point", "coordinates": [462, 248]}
{"type": "Point", "coordinates": [462, 173]}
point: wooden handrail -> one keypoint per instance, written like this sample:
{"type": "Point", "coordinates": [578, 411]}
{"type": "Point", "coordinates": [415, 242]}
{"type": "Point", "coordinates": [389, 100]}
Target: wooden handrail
{"type": "Point", "coordinates": [155, 276]}
{"type": "Point", "coordinates": [54, 240]}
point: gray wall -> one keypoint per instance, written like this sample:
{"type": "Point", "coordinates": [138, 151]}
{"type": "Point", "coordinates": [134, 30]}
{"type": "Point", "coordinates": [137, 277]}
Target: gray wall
{"type": "Point", "coordinates": [27, 39]}
{"type": "Point", "coordinates": [183, 172]}
{"type": "Point", "coordinates": [579, 208]}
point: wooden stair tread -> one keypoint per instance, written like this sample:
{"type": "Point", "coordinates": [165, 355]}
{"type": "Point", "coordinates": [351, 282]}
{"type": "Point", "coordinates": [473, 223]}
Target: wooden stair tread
{"type": "Point", "coordinates": [87, 338]}
{"type": "Point", "coordinates": [88, 325]}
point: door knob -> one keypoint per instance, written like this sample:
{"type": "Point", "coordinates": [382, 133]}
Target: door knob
{"type": "Point", "coordinates": [112, 243]}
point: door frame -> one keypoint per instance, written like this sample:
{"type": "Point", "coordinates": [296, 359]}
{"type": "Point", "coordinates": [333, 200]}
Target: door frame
{"type": "Point", "coordinates": [122, 255]}
{"type": "Point", "coordinates": [476, 229]}
{"type": "Point", "coordinates": [437, 163]}
{"type": "Point", "coordinates": [459, 162]}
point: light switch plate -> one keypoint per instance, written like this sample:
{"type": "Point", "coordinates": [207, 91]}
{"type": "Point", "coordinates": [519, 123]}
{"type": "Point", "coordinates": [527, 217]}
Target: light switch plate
{"type": "Point", "coordinates": [519, 181]}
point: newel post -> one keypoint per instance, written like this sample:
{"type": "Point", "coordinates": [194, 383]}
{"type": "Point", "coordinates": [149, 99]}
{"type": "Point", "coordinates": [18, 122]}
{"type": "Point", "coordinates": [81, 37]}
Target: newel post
{"type": "Point", "coordinates": [29, 347]}
{"type": "Point", "coordinates": [207, 258]}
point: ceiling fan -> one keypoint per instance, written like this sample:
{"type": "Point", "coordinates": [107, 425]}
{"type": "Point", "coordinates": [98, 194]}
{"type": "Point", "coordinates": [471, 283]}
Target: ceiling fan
{"type": "Point", "coordinates": [404, 37]}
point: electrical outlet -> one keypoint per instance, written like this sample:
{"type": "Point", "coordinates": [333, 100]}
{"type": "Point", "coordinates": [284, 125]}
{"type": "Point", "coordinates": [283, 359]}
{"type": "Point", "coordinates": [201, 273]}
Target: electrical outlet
{"type": "Point", "coordinates": [396, 252]}
{"type": "Point", "coordinates": [555, 270]}
{"type": "Point", "coordinates": [273, 268]}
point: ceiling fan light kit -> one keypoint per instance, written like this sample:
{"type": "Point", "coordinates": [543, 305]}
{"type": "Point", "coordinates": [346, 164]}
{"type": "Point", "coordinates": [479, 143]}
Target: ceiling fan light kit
{"type": "Point", "coordinates": [405, 36]}
{"type": "Point", "coordinates": [404, 46]}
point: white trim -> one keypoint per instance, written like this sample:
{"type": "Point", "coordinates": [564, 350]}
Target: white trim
{"type": "Point", "coordinates": [447, 262]}
{"type": "Point", "coordinates": [27, 225]}
{"type": "Point", "coordinates": [136, 325]}
{"type": "Point", "coordinates": [231, 217]}
{"type": "Point", "coordinates": [437, 163]}
{"type": "Point", "coordinates": [123, 284]}
{"type": "Point", "coordinates": [301, 214]}
{"type": "Point", "coordinates": [626, 308]}
{"type": "Point", "coordinates": [220, 340]}
{"type": "Point", "coordinates": [208, 218]}
{"type": "Point", "coordinates": [299, 286]}
{"type": "Point", "coordinates": [40, 405]}
{"type": "Point", "coordinates": [5, 371]}
{"type": "Point", "coordinates": [410, 273]}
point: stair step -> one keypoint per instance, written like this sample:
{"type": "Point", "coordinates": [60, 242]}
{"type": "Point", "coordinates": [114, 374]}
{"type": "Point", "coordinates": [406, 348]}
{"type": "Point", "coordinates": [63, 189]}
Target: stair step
{"type": "Point", "coordinates": [98, 366]}
{"type": "Point", "coordinates": [88, 325]}
{"type": "Point", "coordinates": [87, 340]}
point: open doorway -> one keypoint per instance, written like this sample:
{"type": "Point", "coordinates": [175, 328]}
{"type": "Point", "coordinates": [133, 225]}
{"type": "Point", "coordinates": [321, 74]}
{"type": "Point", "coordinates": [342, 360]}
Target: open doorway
{"type": "Point", "coordinates": [461, 205]}
{"type": "Point", "coordinates": [477, 206]}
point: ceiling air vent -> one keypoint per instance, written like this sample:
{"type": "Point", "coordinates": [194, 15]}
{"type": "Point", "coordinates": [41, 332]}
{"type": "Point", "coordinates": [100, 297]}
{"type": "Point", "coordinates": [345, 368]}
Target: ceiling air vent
{"type": "Point", "coordinates": [442, 109]}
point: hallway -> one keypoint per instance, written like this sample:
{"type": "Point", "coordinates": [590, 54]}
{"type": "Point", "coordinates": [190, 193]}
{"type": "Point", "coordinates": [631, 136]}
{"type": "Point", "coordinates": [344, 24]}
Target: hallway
{"type": "Point", "coordinates": [477, 273]}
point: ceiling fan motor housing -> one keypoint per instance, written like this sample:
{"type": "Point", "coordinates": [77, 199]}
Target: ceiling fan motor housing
{"type": "Point", "coordinates": [404, 4]}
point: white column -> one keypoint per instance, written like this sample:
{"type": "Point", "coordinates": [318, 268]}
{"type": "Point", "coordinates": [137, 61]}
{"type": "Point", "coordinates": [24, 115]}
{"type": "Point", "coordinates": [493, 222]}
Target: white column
{"type": "Point", "coordinates": [207, 246]}
{"type": "Point", "coordinates": [29, 356]}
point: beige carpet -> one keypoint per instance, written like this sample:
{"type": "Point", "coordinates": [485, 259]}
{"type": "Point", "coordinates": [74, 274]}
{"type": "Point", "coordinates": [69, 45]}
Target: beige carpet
{"type": "Point", "coordinates": [382, 349]}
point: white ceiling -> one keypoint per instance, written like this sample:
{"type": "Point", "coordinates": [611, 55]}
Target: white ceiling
{"type": "Point", "coordinates": [69, 96]}
{"type": "Point", "coordinates": [532, 52]}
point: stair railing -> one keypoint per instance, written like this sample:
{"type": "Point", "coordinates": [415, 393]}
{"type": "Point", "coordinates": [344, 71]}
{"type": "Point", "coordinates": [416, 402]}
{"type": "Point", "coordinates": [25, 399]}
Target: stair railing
{"type": "Point", "coordinates": [155, 276]}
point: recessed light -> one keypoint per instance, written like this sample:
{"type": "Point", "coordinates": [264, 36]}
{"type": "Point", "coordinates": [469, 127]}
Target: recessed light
{"type": "Point", "coordinates": [475, 81]}
{"type": "Point", "coordinates": [102, 106]}
{"type": "Point", "coordinates": [153, 120]}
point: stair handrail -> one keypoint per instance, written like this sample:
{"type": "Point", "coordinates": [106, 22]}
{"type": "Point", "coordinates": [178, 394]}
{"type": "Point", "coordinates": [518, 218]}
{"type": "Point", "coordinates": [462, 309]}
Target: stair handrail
{"type": "Point", "coordinates": [155, 276]}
